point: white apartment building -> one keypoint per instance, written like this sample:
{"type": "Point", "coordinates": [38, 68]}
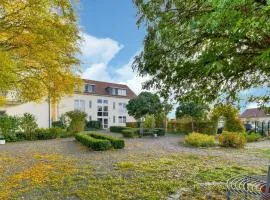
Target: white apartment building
{"type": "Point", "coordinates": [101, 101]}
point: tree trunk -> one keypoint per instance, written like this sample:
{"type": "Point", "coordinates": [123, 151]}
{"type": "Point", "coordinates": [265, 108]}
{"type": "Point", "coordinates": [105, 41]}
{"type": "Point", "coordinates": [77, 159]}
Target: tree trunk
{"type": "Point", "coordinates": [141, 127]}
{"type": "Point", "coordinates": [192, 124]}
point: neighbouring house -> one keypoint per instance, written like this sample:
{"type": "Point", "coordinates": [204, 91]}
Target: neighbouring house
{"type": "Point", "coordinates": [252, 115]}
{"type": "Point", "coordinates": [102, 101]}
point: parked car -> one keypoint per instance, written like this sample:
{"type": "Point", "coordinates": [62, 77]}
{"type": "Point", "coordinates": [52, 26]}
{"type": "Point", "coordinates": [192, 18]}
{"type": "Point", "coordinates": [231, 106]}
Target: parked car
{"type": "Point", "coordinates": [248, 128]}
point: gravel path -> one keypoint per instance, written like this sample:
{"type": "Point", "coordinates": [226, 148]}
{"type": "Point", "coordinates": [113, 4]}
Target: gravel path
{"type": "Point", "coordinates": [139, 146]}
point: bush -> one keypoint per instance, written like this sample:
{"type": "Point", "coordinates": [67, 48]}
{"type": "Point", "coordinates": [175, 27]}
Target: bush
{"type": "Point", "coordinates": [93, 143]}
{"type": "Point", "coordinates": [28, 125]}
{"type": "Point", "coordinates": [252, 137]}
{"type": "Point", "coordinates": [58, 124]}
{"type": "Point", "coordinates": [131, 132]}
{"type": "Point", "coordinates": [93, 125]}
{"type": "Point", "coordinates": [45, 134]}
{"type": "Point", "coordinates": [77, 121]}
{"type": "Point", "coordinates": [117, 143]}
{"type": "Point", "coordinates": [232, 139]}
{"type": "Point", "coordinates": [200, 140]}
{"type": "Point", "coordinates": [117, 129]}
{"type": "Point", "coordinates": [234, 124]}
{"type": "Point", "coordinates": [133, 124]}
{"type": "Point", "coordinates": [149, 121]}
{"type": "Point", "coordinates": [50, 133]}
{"type": "Point", "coordinates": [9, 125]}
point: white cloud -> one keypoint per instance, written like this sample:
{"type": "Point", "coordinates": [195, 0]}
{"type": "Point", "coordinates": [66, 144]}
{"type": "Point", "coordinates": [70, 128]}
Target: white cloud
{"type": "Point", "coordinates": [252, 105]}
{"type": "Point", "coordinates": [97, 54]}
{"type": "Point", "coordinates": [97, 72]}
{"type": "Point", "coordinates": [99, 50]}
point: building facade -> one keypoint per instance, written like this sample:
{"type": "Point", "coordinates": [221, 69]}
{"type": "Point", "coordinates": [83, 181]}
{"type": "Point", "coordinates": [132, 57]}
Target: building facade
{"type": "Point", "coordinates": [250, 116]}
{"type": "Point", "coordinates": [101, 101]}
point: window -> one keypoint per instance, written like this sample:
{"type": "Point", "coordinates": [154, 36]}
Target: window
{"type": "Point", "coordinates": [122, 119]}
{"type": "Point", "coordinates": [114, 91]}
{"type": "Point", "coordinates": [90, 104]}
{"type": "Point", "coordinates": [79, 105]}
{"type": "Point", "coordinates": [122, 92]}
{"type": "Point", "coordinates": [114, 119]}
{"type": "Point", "coordinates": [99, 101]}
{"type": "Point", "coordinates": [113, 105]}
{"type": "Point", "coordinates": [118, 91]}
{"type": "Point", "coordinates": [105, 101]}
{"type": "Point", "coordinates": [122, 107]}
{"type": "Point", "coordinates": [90, 118]}
{"type": "Point", "coordinates": [89, 88]}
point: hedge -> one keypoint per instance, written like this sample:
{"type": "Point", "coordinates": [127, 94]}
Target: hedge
{"type": "Point", "coordinates": [133, 124]}
{"type": "Point", "coordinates": [93, 143]}
{"type": "Point", "coordinates": [206, 127]}
{"type": "Point", "coordinates": [93, 125]}
{"type": "Point", "coordinates": [117, 129]}
{"type": "Point", "coordinates": [117, 143]}
{"type": "Point", "coordinates": [130, 132]}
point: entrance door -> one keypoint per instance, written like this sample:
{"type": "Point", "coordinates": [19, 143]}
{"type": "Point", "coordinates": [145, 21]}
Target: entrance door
{"type": "Point", "coordinates": [104, 122]}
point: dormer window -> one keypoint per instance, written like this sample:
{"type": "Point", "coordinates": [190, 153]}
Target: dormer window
{"type": "Point", "coordinates": [122, 92]}
{"type": "Point", "coordinates": [89, 88]}
{"type": "Point", "coordinates": [117, 91]}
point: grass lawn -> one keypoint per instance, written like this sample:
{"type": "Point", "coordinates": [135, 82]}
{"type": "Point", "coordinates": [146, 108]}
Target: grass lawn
{"type": "Point", "coordinates": [145, 169]}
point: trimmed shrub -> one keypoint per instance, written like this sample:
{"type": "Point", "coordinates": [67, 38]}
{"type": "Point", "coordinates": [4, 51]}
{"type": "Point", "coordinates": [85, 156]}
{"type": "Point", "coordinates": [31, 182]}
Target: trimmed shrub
{"type": "Point", "coordinates": [28, 125]}
{"type": "Point", "coordinates": [252, 137]}
{"type": "Point", "coordinates": [93, 125]}
{"type": "Point", "coordinates": [93, 143]}
{"type": "Point", "coordinates": [9, 126]}
{"type": "Point", "coordinates": [131, 132]}
{"type": "Point", "coordinates": [77, 121]}
{"type": "Point", "coordinates": [45, 134]}
{"type": "Point", "coordinates": [117, 143]}
{"type": "Point", "coordinates": [200, 140]}
{"type": "Point", "coordinates": [117, 129]}
{"type": "Point", "coordinates": [50, 133]}
{"type": "Point", "coordinates": [58, 124]}
{"type": "Point", "coordinates": [232, 139]}
{"type": "Point", "coordinates": [20, 136]}
{"type": "Point", "coordinates": [133, 124]}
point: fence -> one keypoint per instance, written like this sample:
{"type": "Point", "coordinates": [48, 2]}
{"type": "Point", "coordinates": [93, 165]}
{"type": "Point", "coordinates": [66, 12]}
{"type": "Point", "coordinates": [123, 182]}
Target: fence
{"type": "Point", "coordinates": [263, 128]}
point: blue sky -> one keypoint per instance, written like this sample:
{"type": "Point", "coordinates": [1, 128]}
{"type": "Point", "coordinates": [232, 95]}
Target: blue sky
{"type": "Point", "coordinates": [111, 40]}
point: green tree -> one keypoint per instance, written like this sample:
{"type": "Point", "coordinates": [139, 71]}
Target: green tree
{"type": "Point", "coordinates": [39, 43]}
{"type": "Point", "coordinates": [195, 111]}
{"type": "Point", "coordinates": [144, 104]}
{"type": "Point", "coordinates": [205, 49]}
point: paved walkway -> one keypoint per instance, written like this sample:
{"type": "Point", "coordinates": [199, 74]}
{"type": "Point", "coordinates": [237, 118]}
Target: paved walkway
{"type": "Point", "coordinates": [145, 146]}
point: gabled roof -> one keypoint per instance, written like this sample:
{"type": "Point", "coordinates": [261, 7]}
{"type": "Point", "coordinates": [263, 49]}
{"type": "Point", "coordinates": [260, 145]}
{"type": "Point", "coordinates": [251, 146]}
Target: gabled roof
{"type": "Point", "coordinates": [254, 112]}
{"type": "Point", "coordinates": [101, 88]}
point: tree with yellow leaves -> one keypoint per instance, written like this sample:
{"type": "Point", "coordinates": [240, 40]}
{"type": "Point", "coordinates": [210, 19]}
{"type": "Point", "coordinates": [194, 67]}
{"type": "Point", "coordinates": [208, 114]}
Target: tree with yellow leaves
{"type": "Point", "coordinates": [39, 43]}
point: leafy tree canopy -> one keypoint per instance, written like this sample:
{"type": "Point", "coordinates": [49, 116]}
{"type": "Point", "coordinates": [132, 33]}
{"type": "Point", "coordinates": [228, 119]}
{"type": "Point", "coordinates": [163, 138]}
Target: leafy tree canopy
{"type": "Point", "coordinates": [38, 46]}
{"type": "Point", "coordinates": [145, 103]}
{"type": "Point", "coordinates": [205, 49]}
{"type": "Point", "coordinates": [193, 110]}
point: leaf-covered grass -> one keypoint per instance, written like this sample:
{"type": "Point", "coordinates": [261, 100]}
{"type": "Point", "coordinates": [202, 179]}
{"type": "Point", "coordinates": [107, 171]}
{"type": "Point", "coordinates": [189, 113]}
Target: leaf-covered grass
{"type": "Point", "coordinates": [138, 176]}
